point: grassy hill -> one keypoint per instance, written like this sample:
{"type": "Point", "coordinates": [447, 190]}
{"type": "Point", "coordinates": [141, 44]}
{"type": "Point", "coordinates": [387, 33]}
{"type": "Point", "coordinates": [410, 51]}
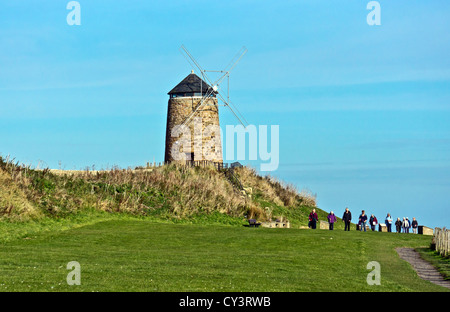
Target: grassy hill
{"type": "Point", "coordinates": [172, 193]}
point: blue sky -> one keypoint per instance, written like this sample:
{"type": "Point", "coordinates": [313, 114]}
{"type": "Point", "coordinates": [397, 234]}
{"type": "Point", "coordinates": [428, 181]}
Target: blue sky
{"type": "Point", "coordinates": [363, 110]}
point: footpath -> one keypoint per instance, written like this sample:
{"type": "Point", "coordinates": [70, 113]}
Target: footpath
{"type": "Point", "coordinates": [423, 268]}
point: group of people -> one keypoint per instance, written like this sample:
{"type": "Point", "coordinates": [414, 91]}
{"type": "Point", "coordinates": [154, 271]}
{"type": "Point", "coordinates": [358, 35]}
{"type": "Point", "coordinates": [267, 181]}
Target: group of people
{"type": "Point", "coordinates": [406, 225]}
{"type": "Point", "coordinates": [400, 226]}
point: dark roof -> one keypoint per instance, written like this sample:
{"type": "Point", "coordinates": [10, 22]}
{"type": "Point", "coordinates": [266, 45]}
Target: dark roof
{"type": "Point", "coordinates": [192, 83]}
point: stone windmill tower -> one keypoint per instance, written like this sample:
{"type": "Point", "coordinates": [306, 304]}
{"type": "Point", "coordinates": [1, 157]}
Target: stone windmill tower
{"type": "Point", "coordinates": [194, 106]}
{"type": "Point", "coordinates": [193, 129]}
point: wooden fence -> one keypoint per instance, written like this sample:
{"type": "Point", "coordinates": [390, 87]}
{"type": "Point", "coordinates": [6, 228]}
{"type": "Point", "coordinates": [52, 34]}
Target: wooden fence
{"type": "Point", "coordinates": [199, 163]}
{"type": "Point", "coordinates": [206, 163]}
{"type": "Point", "coordinates": [441, 239]}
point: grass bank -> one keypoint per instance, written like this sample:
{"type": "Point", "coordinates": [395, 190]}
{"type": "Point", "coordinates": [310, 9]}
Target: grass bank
{"type": "Point", "coordinates": [34, 200]}
{"type": "Point", "coordinates": [141, 255]}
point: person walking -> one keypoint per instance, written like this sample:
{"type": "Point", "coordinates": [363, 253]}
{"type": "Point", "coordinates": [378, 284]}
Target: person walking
{"type": "Point", "coordinates": [313, 218]}
{"type": "Point", "coordinates": [373, 222]}
{"type": "Point", "coordinates": [362, 221]}
{"type": "Point", "coordinates": [389, 223]}
{"type": "Point", "coordinates": [407, 225]}
{"type": "Point", "coordinates": [415, 225]}
{"type": "Point", "coordinates": [331, 220]}
{"type": "Point", "coordinates": [398, 225]}
{"type": "Point", "coordinates": [347, 218]}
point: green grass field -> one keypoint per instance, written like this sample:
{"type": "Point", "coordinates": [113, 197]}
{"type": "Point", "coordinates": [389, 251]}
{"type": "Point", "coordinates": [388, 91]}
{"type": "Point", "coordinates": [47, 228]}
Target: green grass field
{"type": "Point", "coordinates": [144, 255]}
{"type": "Point", "coordinates": [175, 228]}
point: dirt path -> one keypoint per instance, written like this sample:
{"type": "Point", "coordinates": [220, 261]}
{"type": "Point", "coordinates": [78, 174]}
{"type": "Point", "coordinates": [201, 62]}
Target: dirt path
{"type": "Point", "coordinates": [424, 269]}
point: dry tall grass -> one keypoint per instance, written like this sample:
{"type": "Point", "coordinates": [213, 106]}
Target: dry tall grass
{"type": "Point", "coordinates": [14, 202]}
{"type": "Point", "coordinates": [187, 191]}
{"type": "Point", "coordinates": [276, 191]}
{"type": "Point", "coordinates": [171, 190]}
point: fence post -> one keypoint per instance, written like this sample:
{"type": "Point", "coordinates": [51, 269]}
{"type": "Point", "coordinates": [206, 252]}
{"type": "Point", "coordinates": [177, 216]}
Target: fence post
{"type": "Point", "coordinates": [448, 243]}
{"type": "Point", "coordinates": [442, 241]}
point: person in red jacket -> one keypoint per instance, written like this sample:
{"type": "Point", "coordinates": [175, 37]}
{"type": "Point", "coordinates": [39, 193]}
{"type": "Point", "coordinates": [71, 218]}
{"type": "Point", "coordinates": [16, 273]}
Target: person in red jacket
{"type": "Point", "coordinates": [313, 218]}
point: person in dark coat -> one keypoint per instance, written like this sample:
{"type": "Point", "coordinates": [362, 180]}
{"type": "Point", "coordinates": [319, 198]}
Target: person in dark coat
{"type": "Point", "coordinates": [331, 220]}
{"type": "Point", "coordinates": [398, 225]}
{"type": "Point", "coordinates": [415, 225]}
{"type": "Point", "coordinates": [313, 218]}
{"type": "Point", "coordinates": [373, 222]}
{"type": "Point", "coordinates": [362, 221]}
{"type": "Point", "coordinates": [347, 218]}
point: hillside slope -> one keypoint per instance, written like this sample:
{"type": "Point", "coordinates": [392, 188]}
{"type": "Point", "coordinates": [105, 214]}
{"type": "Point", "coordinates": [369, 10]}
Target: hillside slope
{"type": "Point", "coordinates": [167, 192]}
{"type": "Point", "coordinates": [13, 200]}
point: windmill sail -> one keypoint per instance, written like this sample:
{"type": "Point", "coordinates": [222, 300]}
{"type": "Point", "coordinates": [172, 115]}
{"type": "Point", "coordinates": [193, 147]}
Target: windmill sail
{"type": "Point", "coordinates": [214, 87]}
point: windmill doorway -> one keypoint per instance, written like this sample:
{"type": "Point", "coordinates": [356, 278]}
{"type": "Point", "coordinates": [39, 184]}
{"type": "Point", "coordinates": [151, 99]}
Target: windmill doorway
{"type": "Point", "coordinates": [190, 156]}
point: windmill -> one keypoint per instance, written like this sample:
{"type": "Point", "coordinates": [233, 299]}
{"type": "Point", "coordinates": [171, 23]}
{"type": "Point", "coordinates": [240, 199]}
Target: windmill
{"type": "Point", "coordinates": [196, 100]}
{"type": "Point", "coordinates": [216, 85]}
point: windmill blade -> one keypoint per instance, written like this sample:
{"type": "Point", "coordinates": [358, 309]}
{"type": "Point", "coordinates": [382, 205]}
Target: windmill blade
{"type": "Point", "coordinates": [228, 103]}
{"type": "Point", "coordinates": [239, 113]}
{"type": "Point", "coordinates": [219, 80]}
{"type": "Point", "coordinates": [193, 66]}
{"type": "Point", "coordinates": [200, 68]}
{"type": "Point", "coordinates": [188, 120]}
{"type": "Point", "coordinates": [189, 55]}
{"type": "Point", "coordinates": [200, 105]}
{"type": "Point", "coordinates": [226, 73]}
{"type": "Point", "coordinates": [236, 59]}
{"type": "Point", "coordinates": [194, 61]}
{"type": "Point", "coordinates": [234, 113]}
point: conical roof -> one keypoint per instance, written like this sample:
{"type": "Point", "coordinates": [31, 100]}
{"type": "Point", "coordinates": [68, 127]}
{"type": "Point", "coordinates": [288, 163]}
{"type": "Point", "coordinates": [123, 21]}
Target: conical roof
{"type": "Point", "coordinates": [191, 84]}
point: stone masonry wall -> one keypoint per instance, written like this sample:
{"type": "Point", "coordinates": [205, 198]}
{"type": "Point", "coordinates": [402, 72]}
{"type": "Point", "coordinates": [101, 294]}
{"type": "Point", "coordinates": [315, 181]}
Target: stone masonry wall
{"type": "Point", "coordinates": [205, 141]}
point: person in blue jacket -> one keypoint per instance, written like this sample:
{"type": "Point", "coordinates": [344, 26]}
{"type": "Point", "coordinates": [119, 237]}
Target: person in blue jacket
{"type": "Point", "coordinates": [362, 221]}
{"type": "Point", "coordinates": [389, 223]}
